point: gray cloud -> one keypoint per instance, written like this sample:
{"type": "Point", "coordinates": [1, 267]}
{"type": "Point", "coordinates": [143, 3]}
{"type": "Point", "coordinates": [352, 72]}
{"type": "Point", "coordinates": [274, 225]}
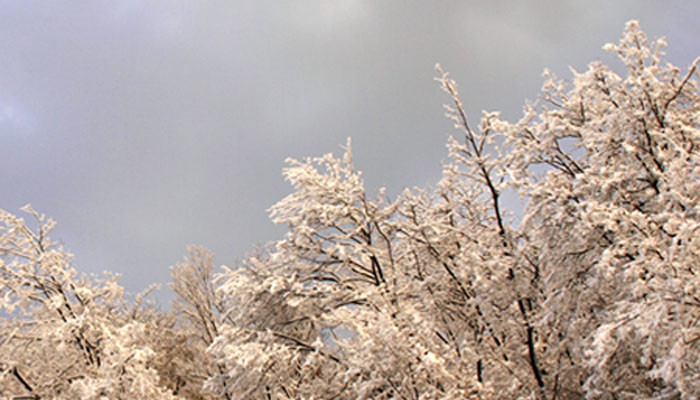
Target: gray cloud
{"type": "Point", "coordinates": [145, 126]}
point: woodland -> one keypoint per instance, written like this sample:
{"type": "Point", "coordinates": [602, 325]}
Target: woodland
{"type": "Point", "coordinates": [443, 292]}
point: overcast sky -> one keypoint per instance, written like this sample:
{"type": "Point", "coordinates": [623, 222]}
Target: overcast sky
{"type": "Point", "coordinates": [145, 126]}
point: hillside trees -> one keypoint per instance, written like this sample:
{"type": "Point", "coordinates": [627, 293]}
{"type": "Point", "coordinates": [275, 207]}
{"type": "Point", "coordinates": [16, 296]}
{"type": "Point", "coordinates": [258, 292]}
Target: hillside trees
{"type": "Point", "coordinates": [591, 292]}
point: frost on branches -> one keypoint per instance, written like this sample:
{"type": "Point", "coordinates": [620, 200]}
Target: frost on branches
{"type": "Point", "coordinates": [62, 335]}
{"type": "Point", "coordinates": [592, 292]}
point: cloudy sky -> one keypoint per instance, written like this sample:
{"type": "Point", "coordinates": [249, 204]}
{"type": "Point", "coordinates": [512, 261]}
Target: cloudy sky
{"type": "Point", "coordinates": [145, 126]}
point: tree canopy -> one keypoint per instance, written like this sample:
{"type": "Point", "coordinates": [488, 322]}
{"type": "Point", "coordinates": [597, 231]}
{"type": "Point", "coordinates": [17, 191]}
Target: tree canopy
{"type": "Point", "coordinates": [593, 291]}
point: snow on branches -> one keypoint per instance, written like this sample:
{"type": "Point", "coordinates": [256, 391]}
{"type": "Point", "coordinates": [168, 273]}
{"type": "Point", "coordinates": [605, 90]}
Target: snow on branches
{"type": "Point", "coordinates": [63, 335]}
{"type": "Point", "coordinates": [593, 291]}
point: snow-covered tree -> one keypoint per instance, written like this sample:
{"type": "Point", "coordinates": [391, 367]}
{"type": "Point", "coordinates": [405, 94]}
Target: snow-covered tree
{"type": "Point", "coordinates": [64, 335]}
{"type": "Point", "coordinates": [609, 165]}
{"type": "Point", "coordinates": [591, 292]}
{"type": "Point", "coordinates": [200, 312]}
{"type": "Point", "coordinates": [334, 311]}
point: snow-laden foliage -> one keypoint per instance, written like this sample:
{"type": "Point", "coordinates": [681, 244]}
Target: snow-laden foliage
{"type": "Point", "coordinates": [63, 335]}
{"type": "Point", "coordinates": [591, 292]}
